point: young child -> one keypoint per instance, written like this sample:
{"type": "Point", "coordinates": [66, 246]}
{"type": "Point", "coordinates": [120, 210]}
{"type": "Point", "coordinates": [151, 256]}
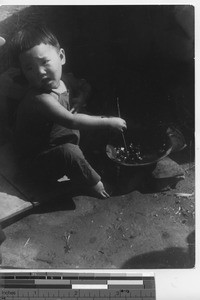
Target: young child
{"type": "Point", "coordinates": [48, 124]}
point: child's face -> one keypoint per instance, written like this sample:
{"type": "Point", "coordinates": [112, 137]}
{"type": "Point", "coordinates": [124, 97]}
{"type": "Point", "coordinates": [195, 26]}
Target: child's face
{"type": "Point", "coordinates": [42, 66]}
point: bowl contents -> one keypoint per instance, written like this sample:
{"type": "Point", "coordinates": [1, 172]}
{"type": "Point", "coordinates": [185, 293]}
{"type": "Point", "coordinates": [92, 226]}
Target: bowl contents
{"type": "Point", "coordinates": [137, 154]}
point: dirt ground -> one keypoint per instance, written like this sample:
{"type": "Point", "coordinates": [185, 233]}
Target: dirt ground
{"type": "Point", "coordinates": [138, 229]}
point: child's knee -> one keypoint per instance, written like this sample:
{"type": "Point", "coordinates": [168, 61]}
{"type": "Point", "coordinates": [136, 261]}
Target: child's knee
{"type": "Point", "coordinates": [72, 152]}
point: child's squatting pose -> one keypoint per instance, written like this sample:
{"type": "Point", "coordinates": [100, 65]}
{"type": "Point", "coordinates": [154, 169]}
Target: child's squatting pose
{"type": "Point", "coordinates": [48, 124]}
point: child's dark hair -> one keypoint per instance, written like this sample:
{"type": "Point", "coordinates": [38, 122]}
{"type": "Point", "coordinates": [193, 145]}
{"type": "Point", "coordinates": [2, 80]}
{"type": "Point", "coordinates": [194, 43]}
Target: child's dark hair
{"type": "Point", "coordinates": [30, 36]}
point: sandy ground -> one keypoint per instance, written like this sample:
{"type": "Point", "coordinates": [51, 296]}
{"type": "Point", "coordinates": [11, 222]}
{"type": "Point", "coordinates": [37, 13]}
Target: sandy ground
{"type": "Point", "coordinates": [152, 229]}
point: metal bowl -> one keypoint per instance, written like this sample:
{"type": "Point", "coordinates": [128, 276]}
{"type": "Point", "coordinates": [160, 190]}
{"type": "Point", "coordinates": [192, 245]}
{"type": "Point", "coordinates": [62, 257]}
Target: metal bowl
{"type": "Point", "coordinates": [152, 154]}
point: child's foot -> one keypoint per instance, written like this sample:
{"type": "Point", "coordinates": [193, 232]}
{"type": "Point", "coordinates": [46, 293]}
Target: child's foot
{"type": "Point", "coordinates": [99, 191]}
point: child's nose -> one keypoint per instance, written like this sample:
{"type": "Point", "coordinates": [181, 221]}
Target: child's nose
{"type": "Point", "coordinates": [41, 71]}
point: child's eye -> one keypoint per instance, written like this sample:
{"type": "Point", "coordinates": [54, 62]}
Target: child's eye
{"type": "Point", "coordinates": [46, 61]}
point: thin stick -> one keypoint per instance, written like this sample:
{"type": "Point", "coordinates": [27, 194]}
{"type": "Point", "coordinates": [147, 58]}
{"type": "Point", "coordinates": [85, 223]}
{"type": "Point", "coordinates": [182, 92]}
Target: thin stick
{"type": "Point", "coordinates": [119, 114]}
{"type": "Point", "coordinates": [118, 109]}
{"type": "Point", "coordinates": [124, 142]}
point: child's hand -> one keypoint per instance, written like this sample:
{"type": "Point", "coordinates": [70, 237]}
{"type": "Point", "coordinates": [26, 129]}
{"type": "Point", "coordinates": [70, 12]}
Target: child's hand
{"type": "Point", "coordinates": [81, 93]}
{"type": "Point", "coordinates": [78, 104]}
{"type": "Point", "coordinates": [117, 123]}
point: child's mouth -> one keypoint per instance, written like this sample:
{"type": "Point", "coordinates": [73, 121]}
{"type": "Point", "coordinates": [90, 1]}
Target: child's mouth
{"type": "Point", "coordinates": [46, 82]}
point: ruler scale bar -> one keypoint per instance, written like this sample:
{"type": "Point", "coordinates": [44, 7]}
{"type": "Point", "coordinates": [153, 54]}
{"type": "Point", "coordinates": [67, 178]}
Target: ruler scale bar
{"type": "Point", "coordinates": [77, 286]}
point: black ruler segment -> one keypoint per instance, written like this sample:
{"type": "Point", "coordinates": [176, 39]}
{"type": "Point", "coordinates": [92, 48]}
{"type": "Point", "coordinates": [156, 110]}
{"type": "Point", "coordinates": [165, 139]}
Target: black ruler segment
{"type": "Point", "coordinates": [103, 277]}
{"type": "Point", "coordinates": [131, 278]}
{"type": "Point", "coordinates": [47, 286]}
{"type": "Point", "coordinates": [87, 278]}
{"type": "Point", "coordinates": [70, 277]}
{"type": "Point", "coordinates": [37, 286]}
{"type": "Point", "coordinates": [54, 277]}
{"type": "Point", "coordinates": [17, 281]}
{"type": "Point", "coordinates": [124, 287]}
{"type": "Point", "coordinates": [37, 277]}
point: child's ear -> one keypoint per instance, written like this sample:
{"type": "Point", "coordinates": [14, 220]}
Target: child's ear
{"type": "Point", "coordinates": [62, 56]}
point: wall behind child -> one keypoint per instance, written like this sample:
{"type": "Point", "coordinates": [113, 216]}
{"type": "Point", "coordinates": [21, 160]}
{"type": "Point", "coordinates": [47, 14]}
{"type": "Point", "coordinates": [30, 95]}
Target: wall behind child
{"type": "Point", "coordinates": [142, 54]}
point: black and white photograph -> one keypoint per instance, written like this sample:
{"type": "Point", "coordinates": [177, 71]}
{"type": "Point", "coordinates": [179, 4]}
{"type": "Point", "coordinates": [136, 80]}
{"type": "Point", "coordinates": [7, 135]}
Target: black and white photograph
{"type": "Point", "coordinates": [97, 137]}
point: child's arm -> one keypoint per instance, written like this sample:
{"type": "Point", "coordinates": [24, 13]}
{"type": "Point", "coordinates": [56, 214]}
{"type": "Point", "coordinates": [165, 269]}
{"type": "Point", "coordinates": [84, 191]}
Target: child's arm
{"type": "Point", "coordinates": [54, 111]}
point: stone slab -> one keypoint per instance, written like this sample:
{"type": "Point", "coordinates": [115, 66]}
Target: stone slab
{"type": "Point", "coordinates": [167, 168]}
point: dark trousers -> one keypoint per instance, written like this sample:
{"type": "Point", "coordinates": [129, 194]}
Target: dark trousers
{"type": "Point", "coordinates": [66, 159]}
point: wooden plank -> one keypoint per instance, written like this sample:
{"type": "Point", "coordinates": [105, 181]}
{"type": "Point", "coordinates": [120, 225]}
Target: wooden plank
{"type": "Point", "coordinates": [12, 203]}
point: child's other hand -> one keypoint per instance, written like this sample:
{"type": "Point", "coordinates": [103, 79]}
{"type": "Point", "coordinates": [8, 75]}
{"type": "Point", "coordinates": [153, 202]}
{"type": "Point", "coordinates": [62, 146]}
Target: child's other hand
{"type": "Point", "coordinates": [73, 110]}
{"type": "Point", "coordinates": [78, 104]}
{"type": "Point", "coordinates": [117, 123]}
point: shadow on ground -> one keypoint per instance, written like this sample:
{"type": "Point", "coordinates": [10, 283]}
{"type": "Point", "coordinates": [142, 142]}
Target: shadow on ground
{"type": "Point", "coordinates": [172, 257]}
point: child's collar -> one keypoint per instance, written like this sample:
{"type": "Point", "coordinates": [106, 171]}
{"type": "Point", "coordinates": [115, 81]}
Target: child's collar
{"type": "Point", "coordinates": [61, 89]}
